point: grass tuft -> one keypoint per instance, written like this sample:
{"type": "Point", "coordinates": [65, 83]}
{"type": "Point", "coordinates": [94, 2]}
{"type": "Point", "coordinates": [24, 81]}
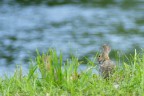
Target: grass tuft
{"type": "Point", "coordinates": [49, 75]}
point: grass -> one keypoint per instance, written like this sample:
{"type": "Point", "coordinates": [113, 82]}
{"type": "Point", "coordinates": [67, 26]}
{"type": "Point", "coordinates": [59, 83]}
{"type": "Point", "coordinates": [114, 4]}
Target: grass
{"type": "Point", "coordinates": [49, 76]}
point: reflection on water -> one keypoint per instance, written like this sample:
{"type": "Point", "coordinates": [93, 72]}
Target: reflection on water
{"type": "Point", "coordinates": [69, 28]}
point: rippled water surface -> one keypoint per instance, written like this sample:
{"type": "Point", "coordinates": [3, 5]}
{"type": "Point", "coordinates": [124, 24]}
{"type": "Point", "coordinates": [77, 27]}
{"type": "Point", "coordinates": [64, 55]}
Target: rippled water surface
{"type": "Point", "coordinates": [77, 29]}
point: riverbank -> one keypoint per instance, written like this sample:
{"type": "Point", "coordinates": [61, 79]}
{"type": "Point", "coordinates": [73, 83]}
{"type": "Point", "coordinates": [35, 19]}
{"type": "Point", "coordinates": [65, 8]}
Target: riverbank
{"type": "Point", "coordinates": [54, 80]}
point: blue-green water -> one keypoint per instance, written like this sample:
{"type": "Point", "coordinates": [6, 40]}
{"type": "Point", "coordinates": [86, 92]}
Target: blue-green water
{"type": "Point", "coordinates": [72, 28]}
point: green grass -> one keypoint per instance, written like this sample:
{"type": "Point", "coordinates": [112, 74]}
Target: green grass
{"type": "Point", "coordinates": [62, 78]}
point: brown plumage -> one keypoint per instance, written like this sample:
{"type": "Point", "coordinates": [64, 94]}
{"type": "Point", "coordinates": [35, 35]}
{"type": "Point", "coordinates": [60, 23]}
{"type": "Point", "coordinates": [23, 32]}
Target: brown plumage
{"type": "Point", "coordinates": [106, 65]}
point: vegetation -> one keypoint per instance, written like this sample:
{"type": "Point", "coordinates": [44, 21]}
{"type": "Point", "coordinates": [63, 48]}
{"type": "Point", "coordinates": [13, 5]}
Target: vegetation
{"type": "Point", "coordinates": [125, 3]}
{"type": "Point", "coordinates": [49, 76]}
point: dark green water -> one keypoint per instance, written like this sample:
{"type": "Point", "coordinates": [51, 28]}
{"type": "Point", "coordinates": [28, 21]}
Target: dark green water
{"type": "Point", "coordinates": [72, 27]}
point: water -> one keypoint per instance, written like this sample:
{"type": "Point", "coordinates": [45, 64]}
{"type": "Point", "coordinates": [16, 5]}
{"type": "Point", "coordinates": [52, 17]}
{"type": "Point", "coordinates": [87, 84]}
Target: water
{"type": "Point", "coordinates": [79, 29]}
